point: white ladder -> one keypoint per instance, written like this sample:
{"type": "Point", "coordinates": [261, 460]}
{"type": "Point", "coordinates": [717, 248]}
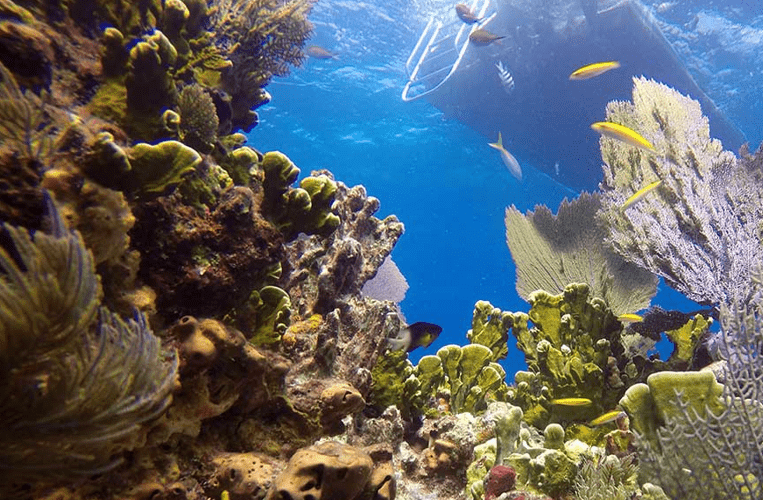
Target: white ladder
{"type": "Point", "coordinates": [440, 49]}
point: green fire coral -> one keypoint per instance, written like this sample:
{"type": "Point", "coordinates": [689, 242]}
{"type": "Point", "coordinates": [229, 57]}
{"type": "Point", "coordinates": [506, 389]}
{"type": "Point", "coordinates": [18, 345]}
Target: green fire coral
{"type": "Point", "coordinates": [464, 376]}
{"type": "Point", "coordinates": [577, 348]}
{"type": "Point", "coordinates": [73, 400]}
{"type": "Point", "coordinates": [306, 209]}
{"type": "Point", "coordinates": [490, 327]}
{"type": "Point", "coordinates": [455, 380]}
{"type": "Point", "coordinates": [566, 350]}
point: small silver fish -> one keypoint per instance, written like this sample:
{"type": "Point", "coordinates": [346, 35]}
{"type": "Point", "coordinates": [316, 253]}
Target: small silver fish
{"type": "Point", "coordinates": [508, 159]}
{"type": "Point", "coordinates": [507, 81]}
{"type": "Point", "coordinates": [317, 52]}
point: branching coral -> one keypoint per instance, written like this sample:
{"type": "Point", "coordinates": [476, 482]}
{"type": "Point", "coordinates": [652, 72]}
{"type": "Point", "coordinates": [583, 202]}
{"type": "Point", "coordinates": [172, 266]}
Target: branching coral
{"type": "Point", "coordinates": [262, 38]}
{"type": "Point", "coordinates": [70, 400]}
{"type": "Point", "coordinates": [552, 251]}
{"type": "Point", "coordinates": [696, 229]}
{"type": "Point", "coordinates": [717, 453]}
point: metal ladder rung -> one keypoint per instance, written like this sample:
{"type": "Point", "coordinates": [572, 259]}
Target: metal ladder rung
{"type": "Point", "coordinates": [437, 47]}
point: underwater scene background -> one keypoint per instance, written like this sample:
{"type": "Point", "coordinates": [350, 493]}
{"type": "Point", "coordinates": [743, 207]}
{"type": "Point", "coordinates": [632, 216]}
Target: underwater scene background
{"type": "Point", "coordinates": [211, 212]}
{"type": "Point", "coordinates": [438, 175]}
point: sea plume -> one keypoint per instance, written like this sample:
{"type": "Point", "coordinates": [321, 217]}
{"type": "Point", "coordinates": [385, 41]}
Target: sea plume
{"type": "Point", "coordinates": [74, 389]}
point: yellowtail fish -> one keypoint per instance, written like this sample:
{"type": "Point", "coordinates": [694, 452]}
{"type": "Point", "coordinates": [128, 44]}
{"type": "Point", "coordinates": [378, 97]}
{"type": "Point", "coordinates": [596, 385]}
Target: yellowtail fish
{"type": "Point", "coordinates": [622, 133]}
{"type": "Point", "coordinates": [630, 318]}
{"type": "Point", "coordinates": [317, 52]}
{"type": "Point", "coordinates": [608, 417]}
{"type": "Point", "coordinates": [483, 37]}
{"type": "Point", "coordinates": [640, 194]}
{"type": "Point", "coordinates": [572, 402]}
{"type": "Point", "coordinates": [595, 69]}
{"type": "Point", "coordinates": [508, 159]}
{"type": "Point", "coordinates": [466, 14]}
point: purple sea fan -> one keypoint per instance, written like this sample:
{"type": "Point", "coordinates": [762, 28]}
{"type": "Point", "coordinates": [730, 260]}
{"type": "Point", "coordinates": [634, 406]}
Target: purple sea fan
{"type": "Point", "coordinates": [698, 229]}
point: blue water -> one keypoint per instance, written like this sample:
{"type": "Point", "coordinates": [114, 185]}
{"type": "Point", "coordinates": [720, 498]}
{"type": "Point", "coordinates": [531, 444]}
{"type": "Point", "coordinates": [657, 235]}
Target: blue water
{"type": "Point", "coordinates": [439, 176]}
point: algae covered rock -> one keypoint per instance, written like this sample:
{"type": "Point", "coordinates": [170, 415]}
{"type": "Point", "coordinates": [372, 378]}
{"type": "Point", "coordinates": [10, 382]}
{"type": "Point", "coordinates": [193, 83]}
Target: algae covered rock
{"type": "Point", "coordinates": [224, 254]}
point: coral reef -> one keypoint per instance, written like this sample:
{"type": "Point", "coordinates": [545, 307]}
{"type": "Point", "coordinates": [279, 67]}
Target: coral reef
{"type": "Point", "coordinates": [131, 205]}
{"type": "Point", "coordinates": [261, 39]}
{"type": "Point", "coordinates": [706, 440]}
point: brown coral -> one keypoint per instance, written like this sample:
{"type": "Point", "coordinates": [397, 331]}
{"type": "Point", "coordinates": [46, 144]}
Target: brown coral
{"type": "Point", "coordinates": [219, 369]}
{"type": "Point", "coordinates": [243, 475]}
{"type": "Point", "coordinates": [326, 471]}
{"type": "Point", "coordinates": [221, 256]}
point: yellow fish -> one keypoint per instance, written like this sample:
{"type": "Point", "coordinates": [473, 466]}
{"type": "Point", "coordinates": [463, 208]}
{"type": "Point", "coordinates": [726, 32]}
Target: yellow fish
{"type": "Point", "coordinates": [508, 159]}
{"type": "Point", "coordinates": [572, 402]}
{"type": "Point", "coordinates": [630, 318]}
{"type": "Point", "coordinates": [608, 417]}
{"type": "Point", "coordinates": [623, 133]}
{"type": "Point", "coordinates": [640, 194]}
{"type": "Point", "coordinates": [594, 69]}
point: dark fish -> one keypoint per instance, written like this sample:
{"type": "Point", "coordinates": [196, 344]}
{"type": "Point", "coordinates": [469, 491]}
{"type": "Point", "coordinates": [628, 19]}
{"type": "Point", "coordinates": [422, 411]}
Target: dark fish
{"type": "Point", "coordinates": [465, 14]}
{"type": "Point", "coordinates": [317, 52]}
{"type": "Point", "coordinates": [419, 334]}
{"type": "Point", "coordinates": [483, 37]}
